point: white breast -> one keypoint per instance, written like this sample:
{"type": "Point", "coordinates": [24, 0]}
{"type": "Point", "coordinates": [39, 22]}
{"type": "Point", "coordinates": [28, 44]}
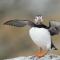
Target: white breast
{"type": "Point", "coordinates": [41, 37]}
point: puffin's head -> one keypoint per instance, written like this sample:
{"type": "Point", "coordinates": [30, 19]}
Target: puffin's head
{"type": "Point", "coordinates": [38, 19]}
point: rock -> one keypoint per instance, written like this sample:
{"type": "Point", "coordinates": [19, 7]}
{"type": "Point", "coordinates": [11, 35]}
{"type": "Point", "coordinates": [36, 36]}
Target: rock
{"type": "Point", "coordinates": [46, 57]}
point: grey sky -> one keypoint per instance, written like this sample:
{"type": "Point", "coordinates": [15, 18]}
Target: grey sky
{"type": "Point", "coordinates": [33, 7]}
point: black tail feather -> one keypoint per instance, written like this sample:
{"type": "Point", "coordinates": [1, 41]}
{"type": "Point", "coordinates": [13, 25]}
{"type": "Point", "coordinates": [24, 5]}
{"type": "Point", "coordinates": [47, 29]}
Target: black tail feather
{"type": "Point", "coordinates": [53, 46]}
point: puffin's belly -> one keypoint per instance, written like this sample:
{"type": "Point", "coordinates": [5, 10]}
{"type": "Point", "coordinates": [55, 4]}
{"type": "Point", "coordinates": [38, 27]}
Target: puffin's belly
{"type": "Point", "coordinates": [41, 37]}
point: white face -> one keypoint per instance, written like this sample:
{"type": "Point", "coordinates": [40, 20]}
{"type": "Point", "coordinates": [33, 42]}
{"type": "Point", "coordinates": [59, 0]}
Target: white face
{"type": "Point", "coordinates": [38, 19]}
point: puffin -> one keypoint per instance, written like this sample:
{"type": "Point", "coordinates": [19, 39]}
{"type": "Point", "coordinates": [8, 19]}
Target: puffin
{"type": "Point", "coordinates": [39, 33]}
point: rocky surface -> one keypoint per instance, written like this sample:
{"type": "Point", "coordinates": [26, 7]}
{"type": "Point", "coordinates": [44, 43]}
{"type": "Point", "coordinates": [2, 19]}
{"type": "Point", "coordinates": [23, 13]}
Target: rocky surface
{"type": "Point", "coordinates": [46, 57]}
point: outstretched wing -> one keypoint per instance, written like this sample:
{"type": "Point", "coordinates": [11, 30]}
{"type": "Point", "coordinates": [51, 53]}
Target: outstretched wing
{"type": "Point", "coordinates": [54, 27]}
{"type": "Point", "coordinates": [18, 23]}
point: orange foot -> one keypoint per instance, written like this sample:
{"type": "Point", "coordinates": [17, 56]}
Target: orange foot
{"type": "Point", "coordinates": [40, 54]}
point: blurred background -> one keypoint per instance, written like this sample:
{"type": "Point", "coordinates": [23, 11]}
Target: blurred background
{"type": "Point", "coordinates": [16, 41]}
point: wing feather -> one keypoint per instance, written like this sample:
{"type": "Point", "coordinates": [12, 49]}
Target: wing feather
{"type": "Point", "coordinates": [18, 23]}
{"type": "Point", "coordinates": [54, 27]}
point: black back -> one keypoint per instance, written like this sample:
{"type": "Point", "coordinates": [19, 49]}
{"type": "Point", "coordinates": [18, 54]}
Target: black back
{"type": "Point", "coordinates": [41, 26]}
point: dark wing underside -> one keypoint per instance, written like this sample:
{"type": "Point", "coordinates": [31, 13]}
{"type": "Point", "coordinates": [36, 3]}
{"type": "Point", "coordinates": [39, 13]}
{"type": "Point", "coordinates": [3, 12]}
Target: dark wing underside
{"type": "Point", "coordinates": [54, 27]}
{"type": "Point", "coordinates": [18, 23]}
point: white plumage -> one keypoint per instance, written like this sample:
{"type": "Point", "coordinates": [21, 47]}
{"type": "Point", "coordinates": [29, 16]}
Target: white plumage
{"type": "Point", "coordinates": [41, 37]}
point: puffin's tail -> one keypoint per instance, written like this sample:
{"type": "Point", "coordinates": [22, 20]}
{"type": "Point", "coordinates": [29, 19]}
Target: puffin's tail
{"type": "Point", "coordinates": [53, 46]}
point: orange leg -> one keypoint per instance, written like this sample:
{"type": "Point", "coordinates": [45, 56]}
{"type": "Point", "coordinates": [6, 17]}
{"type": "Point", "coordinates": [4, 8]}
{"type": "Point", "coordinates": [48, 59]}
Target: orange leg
{"type": "Point", "coordinates": [40, 53]}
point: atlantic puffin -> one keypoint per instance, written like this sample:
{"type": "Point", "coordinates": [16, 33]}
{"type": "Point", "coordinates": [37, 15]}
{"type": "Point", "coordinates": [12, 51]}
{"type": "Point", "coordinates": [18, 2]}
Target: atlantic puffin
{"type": "Point", "coordinates": [39, 33]}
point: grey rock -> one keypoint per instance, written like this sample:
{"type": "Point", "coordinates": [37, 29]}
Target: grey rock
{"type": "Point", "coordinates": [46, 57]}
